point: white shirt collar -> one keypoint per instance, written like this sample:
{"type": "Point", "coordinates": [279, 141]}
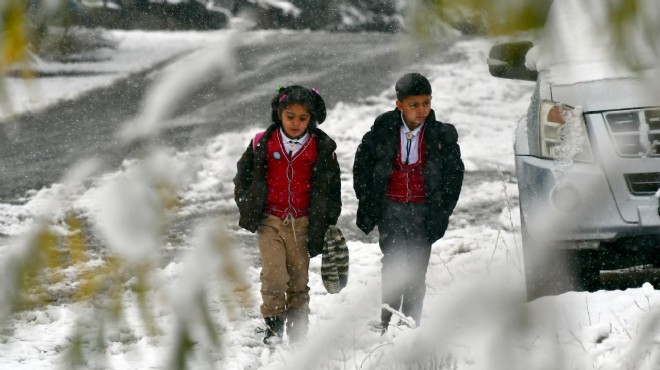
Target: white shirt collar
{"type": "Point", "coordinates": [406, 129]}
{"type": "Point", "coordinates": [301, 140]}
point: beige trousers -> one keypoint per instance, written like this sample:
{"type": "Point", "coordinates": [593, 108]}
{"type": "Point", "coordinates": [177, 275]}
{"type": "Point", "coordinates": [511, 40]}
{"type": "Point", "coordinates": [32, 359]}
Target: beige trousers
{"type": "Point", "coordinates": [284, 265]}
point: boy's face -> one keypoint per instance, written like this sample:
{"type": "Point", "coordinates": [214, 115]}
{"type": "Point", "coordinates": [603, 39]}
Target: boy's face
{"type": "Point", "coordinates": [295, 120]}
{"type": "Point", "coordinates": [415, 109]}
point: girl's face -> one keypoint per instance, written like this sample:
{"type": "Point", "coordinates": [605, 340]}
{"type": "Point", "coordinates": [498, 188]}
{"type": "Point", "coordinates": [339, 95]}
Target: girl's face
{"type": "Point", "coordinates": [295, 120]}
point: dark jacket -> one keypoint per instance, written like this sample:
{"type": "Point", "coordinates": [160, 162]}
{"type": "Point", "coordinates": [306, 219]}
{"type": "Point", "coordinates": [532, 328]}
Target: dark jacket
{"type": "Point", "coordinates": [325, 207]}
{"type": "Point", "coordinates": [373, 164]}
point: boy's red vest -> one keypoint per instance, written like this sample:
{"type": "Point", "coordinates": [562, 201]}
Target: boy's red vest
{"type": "Point", "coordinates": [407, 183]}
{"type": "Point", "coordinates": [289, 179]}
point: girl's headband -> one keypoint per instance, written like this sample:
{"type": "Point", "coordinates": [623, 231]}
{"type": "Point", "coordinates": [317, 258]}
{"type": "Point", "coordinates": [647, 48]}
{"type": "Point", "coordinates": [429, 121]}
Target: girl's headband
{"type": "Point", "coordinates": [283, 95]}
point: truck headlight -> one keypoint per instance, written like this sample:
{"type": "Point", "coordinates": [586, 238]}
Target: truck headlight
{"type": "Point", "coordinates": [563, 133]}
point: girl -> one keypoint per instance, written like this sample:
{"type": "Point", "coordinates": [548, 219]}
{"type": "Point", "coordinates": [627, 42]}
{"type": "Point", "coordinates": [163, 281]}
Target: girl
{"type": "Point", "coordinates": [288, 190]}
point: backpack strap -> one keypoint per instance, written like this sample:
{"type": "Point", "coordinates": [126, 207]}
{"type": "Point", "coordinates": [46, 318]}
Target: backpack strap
{"type": "Point", "coordinates": [256, 139]}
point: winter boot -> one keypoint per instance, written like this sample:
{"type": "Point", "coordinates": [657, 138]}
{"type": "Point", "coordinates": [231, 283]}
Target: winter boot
{"type": "Point", "coordinates": [378, 326]}
{"type": "Point", "coordinates": [274, 330]}
{"type": "Point", "coordinates": [383, 327]}
{"type": "Point", "coordinates": [297, 324]}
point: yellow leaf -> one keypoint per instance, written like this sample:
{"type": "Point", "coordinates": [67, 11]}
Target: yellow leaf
{"type": "Point", "coordinates": [14, 41]}
{"type": "Point", "coordinates": [76, 238]}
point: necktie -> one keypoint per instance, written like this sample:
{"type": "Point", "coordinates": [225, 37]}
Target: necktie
{"type": "Point", "coordinates": [292, 145]}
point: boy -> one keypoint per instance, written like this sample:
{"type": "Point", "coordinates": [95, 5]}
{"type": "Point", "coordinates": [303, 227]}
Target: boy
{"type": "Point", "coordinates": [407, 177]}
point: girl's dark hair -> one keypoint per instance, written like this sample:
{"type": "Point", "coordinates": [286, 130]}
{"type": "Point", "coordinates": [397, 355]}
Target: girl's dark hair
{"type": "Point", "coordinates": [308, 98]}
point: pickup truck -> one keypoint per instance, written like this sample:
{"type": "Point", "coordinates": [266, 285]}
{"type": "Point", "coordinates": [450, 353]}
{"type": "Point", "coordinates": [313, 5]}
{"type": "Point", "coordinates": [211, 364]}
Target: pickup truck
{"type": "Point", "coordinates": [587, 155]}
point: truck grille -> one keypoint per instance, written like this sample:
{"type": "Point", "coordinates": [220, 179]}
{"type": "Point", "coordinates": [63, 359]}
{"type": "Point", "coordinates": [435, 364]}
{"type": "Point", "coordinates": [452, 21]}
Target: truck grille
{"type": "Point", "coordinates": [635, 133]}
{"type": "Point", "coordinates": [643, 183]}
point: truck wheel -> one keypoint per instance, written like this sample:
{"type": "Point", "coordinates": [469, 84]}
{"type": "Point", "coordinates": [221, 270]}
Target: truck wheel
{"type": "Point", "coordinates": [551, 271]}
{"type": "Point", "coordinates": [655, 260]}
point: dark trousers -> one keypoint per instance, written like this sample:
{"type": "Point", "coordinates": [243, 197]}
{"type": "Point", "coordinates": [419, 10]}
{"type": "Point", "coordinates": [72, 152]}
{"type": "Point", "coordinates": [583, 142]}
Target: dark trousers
{"type": "Point", "coordinates": [406, 252]}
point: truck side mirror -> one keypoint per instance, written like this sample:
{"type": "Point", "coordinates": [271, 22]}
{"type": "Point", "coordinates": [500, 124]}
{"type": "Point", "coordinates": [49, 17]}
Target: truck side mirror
{"type": "Point", "coordinates": [508, 61]}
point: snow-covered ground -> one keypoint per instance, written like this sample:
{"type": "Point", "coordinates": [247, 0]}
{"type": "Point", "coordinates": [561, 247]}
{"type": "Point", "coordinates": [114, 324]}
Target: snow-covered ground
{"type": "Point", "coordinates": [474, 317]}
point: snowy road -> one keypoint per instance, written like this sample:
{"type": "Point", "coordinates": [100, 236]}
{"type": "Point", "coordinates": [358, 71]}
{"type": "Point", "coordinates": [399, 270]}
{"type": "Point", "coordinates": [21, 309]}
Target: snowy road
{"type": "Point", "coordinates": [344, 67]}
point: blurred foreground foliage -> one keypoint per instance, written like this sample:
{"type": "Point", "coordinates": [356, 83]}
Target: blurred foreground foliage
{"type": "Point", "coordinates": [509, 17]}
{"type": "Point", "coordinates": [13, 42]}
{"type": "Point", "coordinates": [35, 30]}
{"type": "Point", "coordinates": [56, 254]}
{"type": "Point", "coordinates": [57, 266]}
{"type": "Point", "coordinates": [30, 26]}
{"type": "Point", "coordinates": [14, 39]}
{"type": "Point", "coordinates": [624, 21]}
{"type": "Point", "coordinates": [503, 17]}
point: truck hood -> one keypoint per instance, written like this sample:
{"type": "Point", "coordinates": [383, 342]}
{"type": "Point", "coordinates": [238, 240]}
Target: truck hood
{"type": "Point", "coordinates": [607, 94]}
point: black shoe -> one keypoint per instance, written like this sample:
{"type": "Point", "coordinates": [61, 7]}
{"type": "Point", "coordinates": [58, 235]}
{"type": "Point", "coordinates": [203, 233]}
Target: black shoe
{"type": "Point", "coordinates": [274, 330]}
{"type": "Point", "coordinates": [383, 327]}
{"type": "Point", "coordinates": [296, 326]}
{"type": "Point", "coordinates": [379, 327]}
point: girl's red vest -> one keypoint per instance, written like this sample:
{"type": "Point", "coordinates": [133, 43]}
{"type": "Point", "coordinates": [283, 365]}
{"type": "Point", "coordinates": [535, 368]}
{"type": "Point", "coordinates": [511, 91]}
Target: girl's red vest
{"type": "Point", "coordinates": [289, 179]}
{"type": "Point", "coordinates": [407, 183]}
